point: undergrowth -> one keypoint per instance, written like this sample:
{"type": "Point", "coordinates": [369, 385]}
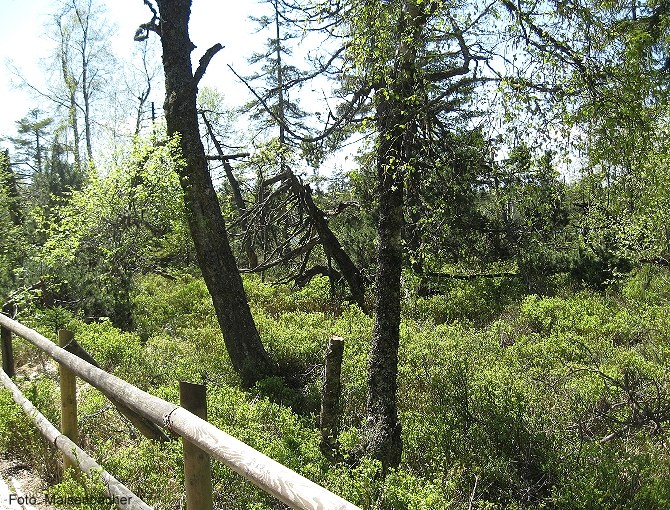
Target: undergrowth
{"type": "Point", "coordinates": [541, 402]}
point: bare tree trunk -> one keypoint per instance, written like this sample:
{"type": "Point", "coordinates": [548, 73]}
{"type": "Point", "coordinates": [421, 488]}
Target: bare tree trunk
{"type": "Point", "coordinates": [85, 84]}
{"type": "Point", "coordinates": [238, 199]}
{"type": "Point", "coordinates": [74, 125]}
{"type": "Point", "coordinates": [383, 439]}
{"type": "Point", "coordinates": [148, 74]}
{"type": "Point", "coordinates": [204, 212]}
{"type": "Point", "coordinates": [71, 86]}
{"type": "Point", "coordinates": [331, 244]}
{"type": "Point", "coordinates": [87, 113]}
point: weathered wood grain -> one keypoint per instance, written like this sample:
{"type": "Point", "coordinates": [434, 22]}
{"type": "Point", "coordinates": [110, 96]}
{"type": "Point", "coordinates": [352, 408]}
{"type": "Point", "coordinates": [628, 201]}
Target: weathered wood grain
{"type": "Point", "coordinates": [68, 400]}
{"type": "Point", "coordinates": [122, 496]}
{"type": "Point", "coordinates": [330, 397]}
{"type": "Point", "coordinates": [277, 480]}
{"type": "Point", "coordinates": [197, 466]}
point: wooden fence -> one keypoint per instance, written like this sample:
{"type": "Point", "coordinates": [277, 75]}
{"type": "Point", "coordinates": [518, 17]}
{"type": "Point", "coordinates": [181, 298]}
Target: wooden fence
{"type": "Point", "coordinates": [272, 477]}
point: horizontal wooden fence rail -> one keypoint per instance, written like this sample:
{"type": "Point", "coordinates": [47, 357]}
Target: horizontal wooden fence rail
{"type": "Point", "coordinates": [119, 493]}
{"type": "Point", "coordinates": [272, 477]}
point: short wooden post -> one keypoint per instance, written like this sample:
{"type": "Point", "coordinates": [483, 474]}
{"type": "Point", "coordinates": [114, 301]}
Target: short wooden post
{"type": "Point", "coordinates": [8, 364]}
{"type": "Point", "coordinates": [330, 397]}
{"type": "Point", "coordinates": [197, 467]}
{"type": "Point", "coordinates": [68, 399]}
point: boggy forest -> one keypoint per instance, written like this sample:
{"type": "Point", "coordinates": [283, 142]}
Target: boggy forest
{"type": "Point", "coordinates": [474, 196]}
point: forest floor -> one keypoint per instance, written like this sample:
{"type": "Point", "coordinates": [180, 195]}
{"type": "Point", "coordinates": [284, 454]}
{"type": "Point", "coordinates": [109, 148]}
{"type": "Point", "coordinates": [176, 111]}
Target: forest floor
{"type": "Point", "coordinates": [19, 479]}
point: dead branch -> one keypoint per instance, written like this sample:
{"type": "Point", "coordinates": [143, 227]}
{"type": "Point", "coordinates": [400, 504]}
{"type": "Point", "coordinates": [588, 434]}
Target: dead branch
{"type": "Point", "coordinates": [204, 62]}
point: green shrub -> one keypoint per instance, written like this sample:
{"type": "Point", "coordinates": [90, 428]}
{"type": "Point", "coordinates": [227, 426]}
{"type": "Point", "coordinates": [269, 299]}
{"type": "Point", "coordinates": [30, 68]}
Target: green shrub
{"type": "Point", "coordinates": [546, 402]}
{"type": "Point", "coordinates": [18, 435]}
{"type": "Point", "coordinates": [162, 305]}
{"type": "Point", "coordinates": [80, 492]}
{"type": "Point", "coordinates": [276, 300]}
{"type": "Point", "coordinates": [477, 301]}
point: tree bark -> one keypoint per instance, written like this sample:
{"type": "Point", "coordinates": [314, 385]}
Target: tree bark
{"type": "Point", "coordinates": [383, 439]}
{"type": "Point", "coordinates": [396, 115]}
{"type": "Point", "coordinates": [205, 219]}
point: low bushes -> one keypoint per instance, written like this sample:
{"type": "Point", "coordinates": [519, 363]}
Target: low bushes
{"type": "Point", "coordinates": [556, 402]}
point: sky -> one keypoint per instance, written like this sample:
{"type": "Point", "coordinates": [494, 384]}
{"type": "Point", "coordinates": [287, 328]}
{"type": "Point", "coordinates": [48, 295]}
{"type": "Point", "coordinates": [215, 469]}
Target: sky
{"type": "Point", "coordinates": [24, 45]}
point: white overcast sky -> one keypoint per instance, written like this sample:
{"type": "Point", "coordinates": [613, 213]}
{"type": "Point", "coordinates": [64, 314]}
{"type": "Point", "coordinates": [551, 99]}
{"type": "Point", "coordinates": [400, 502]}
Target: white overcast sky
{"type": "Point", "coordinates": [23, 42]}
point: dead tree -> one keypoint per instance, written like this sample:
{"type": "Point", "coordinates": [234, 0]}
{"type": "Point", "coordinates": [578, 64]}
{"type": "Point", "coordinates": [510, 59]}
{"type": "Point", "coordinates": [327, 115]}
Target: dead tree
{"type": "Point", "coordinates": [285, 222]}
{"type": "Point", "coordinates": [235, 188]}
{"type": "Point", "coordinates": [205, 218]}
{"type": "Point", "coordinates": [306, 225]}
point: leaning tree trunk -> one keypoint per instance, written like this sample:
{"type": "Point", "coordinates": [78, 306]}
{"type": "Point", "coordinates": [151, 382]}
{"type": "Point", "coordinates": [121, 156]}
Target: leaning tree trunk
{"type": "Point", "coordinates": [331, 244]}
{"type": "Point", "coordinates": [205, 219]}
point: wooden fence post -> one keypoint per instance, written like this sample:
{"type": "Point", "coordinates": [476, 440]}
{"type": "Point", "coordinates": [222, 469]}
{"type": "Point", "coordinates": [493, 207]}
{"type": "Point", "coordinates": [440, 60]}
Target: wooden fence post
{"type": "Point", "coordinates": [197, 466]}
{"type": "Point", "coordinates": [330, 398]}
{"type": "Point", "coordinates": [8, 364]}
{"type": "Point", "coordinates": [68, 399]}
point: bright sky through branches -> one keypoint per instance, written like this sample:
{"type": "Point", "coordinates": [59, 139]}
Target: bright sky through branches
{"type": "Point", "coordinates": [23, 41]}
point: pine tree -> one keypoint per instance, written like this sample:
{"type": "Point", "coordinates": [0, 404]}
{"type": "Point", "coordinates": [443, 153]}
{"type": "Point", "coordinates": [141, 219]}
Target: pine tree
{"type": "Point", "coordinates": [31, 144]}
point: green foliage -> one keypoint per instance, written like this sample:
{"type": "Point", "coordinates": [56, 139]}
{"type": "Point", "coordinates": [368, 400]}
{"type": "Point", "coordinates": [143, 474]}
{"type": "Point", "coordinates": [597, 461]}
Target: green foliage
{"type": "Point", "coordinates": [115, 351]}
{"type": "Point", "coordinates": [12, 236]}
{"type": "Point", "coordinates": [176, 322]}
{"type": "Point", "coordinates": [126, 222]}
{"type": "Point", "coordinates": [557, 399]}
{"type": "Point", "coordinates": [18, 435]}
{"type": "Point", "coordinates": [57, 178]}
{"type": "Point", "coordinates": [477, 300]}
{"type": "Point", "coordinates": [152, 470]}
{"type": "Point", "coordinates": [80, 492]}
{"type": "Point", "coordinates": [554, 401]}
{"type": "Point", "coordinates": [163, 305]}
{"type": "Point", "coordinates": [356, 225]}
{"type": "Point", "coordinates": [279, 299]}
{"type": "Point", "coordinates": [11, 415]}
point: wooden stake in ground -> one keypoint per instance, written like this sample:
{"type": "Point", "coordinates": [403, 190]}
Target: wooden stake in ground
{"type": "Point", "coordinates": [7, 353]}
{"type": "Point", "coordinates": [68, 400]}
{"type": "Point", "coordinates": [197, 466]}
{"type": "Point", "coordinates": [8, 364]}
{"type": "Point", "coordinates": [330, 397]}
